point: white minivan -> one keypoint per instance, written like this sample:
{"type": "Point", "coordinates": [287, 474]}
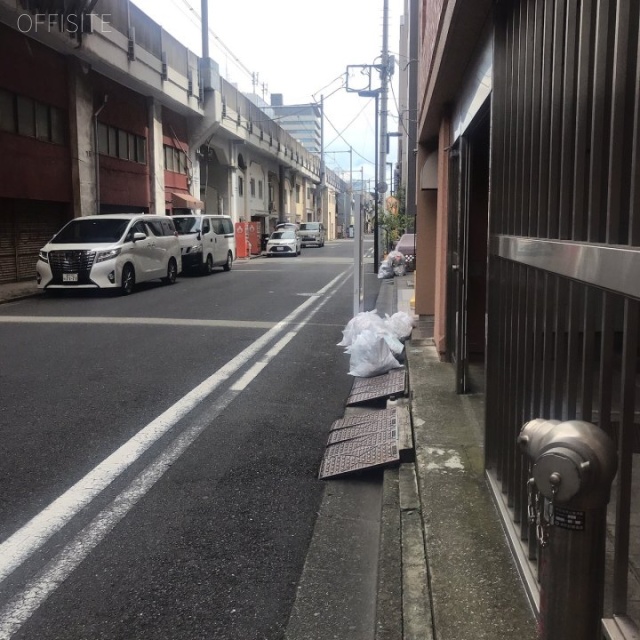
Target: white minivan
{"type": "Point", "coordinates": [110, 251]}
{"type": "Point", "coordinates": [207, 241]}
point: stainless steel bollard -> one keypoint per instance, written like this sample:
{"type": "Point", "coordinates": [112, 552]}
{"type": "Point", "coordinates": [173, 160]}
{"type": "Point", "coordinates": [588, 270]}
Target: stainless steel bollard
{"type": "Point", "coordinates": [574, 464]}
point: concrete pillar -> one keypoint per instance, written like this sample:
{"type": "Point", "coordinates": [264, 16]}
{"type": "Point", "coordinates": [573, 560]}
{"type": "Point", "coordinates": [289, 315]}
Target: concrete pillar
{"type": "Point", "coordinates": [442, 234]}
{"type": "Point", "coordinates": [156, 158]}
{"type": "Point", "coordinates": [195, 173]}
{"type": "Point", "coordinates": [81, 137]}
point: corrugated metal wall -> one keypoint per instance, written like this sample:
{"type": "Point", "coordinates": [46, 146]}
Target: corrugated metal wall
{"type": "Point", "coordinates": [25, 227]}
{"type": "Point", "coordinates": [564, 262]}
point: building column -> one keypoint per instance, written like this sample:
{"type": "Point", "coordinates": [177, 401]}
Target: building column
{"type": "Point", "coordinates": [156, 159]}
{"type": "Point", "coordinates": [84, 150]}
{"type": "Point", "coordinates": [442, 234]}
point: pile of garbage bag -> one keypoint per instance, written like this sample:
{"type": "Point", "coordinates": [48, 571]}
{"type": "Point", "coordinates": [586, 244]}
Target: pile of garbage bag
{"type": "Point", "coordinates": [375, 344]}
{"type": "Point", "coordinates": [394, 264]}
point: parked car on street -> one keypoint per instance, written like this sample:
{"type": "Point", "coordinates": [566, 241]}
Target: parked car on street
{"type": "Point", "coordinates": [206, 242]}
{"type": "Point", "coordinates": [312, 233]}
{"type": "Point", "coordinates": [110, 251]}
{"type": "Point", "coordinates": [284, 242]}
{"type": "Point", "coordinates": [407, 246]}
{"type": "Point", "coordinates": [287, 225]}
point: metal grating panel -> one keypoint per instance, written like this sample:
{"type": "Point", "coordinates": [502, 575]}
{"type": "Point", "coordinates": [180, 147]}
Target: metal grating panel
{"type": "Point", "coordinates": [377, 387]}
{"type": "Point", "coordinates": [355, 455]}
{"type": "Point", "coordinates": [384, 421]}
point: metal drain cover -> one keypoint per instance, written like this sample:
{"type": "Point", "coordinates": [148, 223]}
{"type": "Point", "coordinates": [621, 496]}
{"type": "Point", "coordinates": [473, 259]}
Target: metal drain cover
{"type": "Point", "coordinates": [388, 384]}
{"type": "Point", "coordinates": [355, 455]}
{"type": "Point", "coordinates": [384, 421]}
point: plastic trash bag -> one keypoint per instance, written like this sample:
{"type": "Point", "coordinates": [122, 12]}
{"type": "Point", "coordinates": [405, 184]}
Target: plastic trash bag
{"type": "Point", "coordinates": [400, 324]}
{"type": "Point", "coordinates": [385, 271]}
{"type": "Point", "coordinates": [395, 346]}
{"type": "Point", "coordinates": [371, 355]}
{"type": "Point", "coordinates": [360, 322]}
{"type": "Point", "coordinates": [397, 262]}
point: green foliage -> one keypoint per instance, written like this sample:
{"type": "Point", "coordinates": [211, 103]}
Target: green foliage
{"type": "Point", "coordinates": [393, 222]}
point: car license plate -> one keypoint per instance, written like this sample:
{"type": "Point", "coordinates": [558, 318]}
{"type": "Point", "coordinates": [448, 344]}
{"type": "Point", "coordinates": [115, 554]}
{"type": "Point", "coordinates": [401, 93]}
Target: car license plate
{"type": "Point", "coordinates": [279, 248]}
{"type": "Point", "coordinates": [69, 277]}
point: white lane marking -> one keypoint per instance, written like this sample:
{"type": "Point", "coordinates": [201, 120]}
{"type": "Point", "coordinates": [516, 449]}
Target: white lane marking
{"type": "Point", "coordinates": [242, 383]}
{"type": "Point", "coordinates": [173, 322]}
{"type": "Point", "coordinates": [20, 608]}
{"type": "Point", "coordinates": [30, 537]}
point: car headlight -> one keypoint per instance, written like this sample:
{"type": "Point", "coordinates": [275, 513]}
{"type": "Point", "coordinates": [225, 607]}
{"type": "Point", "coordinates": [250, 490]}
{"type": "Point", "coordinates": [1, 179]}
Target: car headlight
{"type": "Point", "coordinates": [101, 256]}
{"type": "Point", "coordinates": [43, 255]}
{"type": "Point", "coordinates": [197, 248]}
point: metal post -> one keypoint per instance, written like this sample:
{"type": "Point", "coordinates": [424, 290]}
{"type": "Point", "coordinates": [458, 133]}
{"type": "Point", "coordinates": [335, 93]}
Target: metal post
{"type": "Point", "coordinates": [204, 12]}
{"type": "Point", "coordinates": [574, 464]}
{"type": "Point", "coordinates": [376, 231]}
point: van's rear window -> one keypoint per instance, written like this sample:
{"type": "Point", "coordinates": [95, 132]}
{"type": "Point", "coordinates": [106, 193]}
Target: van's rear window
{"type": "Point", "coordinates": [80, 231]}
{"type": "Point", "coordinates": [187, 225]}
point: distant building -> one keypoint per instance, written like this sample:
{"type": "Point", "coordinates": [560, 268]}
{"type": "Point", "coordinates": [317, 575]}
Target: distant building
{"type": "Point", "coordinates": [301, 121]}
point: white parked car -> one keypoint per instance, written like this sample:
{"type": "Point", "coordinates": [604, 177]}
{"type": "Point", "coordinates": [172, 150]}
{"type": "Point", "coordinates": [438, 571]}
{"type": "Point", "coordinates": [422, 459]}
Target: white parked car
{"type": "Point", "coordinates": [110, 251]}
{"type": "Point", "coordinates": [284, 242]}
{"type": "Point", "coordinates": [206, 241]}
{"type": "Point", "coordinates": [312, 233]}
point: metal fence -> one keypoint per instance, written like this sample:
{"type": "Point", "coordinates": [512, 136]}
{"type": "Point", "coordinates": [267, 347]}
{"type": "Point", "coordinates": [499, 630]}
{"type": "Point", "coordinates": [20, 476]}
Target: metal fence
{"type": "Point", "coordinates": [564, 255]}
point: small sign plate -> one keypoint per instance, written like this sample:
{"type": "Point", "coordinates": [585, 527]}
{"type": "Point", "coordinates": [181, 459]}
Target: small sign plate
{"type": "Point", "coordinates": [568, 519]}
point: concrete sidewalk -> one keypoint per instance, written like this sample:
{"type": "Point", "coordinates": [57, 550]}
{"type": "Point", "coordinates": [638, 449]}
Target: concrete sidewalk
{"type": "Point", "coordinates": [466, 573]}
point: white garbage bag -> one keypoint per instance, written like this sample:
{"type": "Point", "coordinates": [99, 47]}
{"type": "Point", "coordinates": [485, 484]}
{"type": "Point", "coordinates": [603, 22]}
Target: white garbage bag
{"type": "Point", "coordinates": [360, 322]}
{"type": "Point", "coordinates": [400, 324]}
{"type": "Point", "coordinates": [371, 355]}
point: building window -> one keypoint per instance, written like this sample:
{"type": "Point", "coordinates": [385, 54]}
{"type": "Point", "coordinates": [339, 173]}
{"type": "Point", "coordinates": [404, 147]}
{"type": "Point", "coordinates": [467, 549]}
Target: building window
{"type": "Point", "coordinates": [103, 139]}
{"type": "Point", "coordinates": [240, 186]}
{"type": "Point", "coordinates": [175, 160]}
{"type": "Point", "coordinates": [252, 187]}
{"type": "Point", "coordinates": [260, 189]}
{"type": "Point", "coordinates": [123, 147]}
{"type": "Point", "coordinates": [7, 112]}
{"type": "Point", "coordinates": [298, 193]}
{"type": "Point", "coordinates": [118, 143]}
{"type": "Point", "coordinates": [26, 117]}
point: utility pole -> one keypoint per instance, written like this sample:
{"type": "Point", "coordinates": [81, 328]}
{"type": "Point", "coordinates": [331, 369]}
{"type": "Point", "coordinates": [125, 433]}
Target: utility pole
{"type": "Point", "coordinates": [381, 188]}
{"type": "Point", "coordinates": [322, 167]}
{"type": "Point", "coordinates": [204, 12]}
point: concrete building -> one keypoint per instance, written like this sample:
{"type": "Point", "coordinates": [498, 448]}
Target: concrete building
{"type": "Point", "coordinates": [301, 121]}
{"type": "Point", "coordinates": [528, 245]}
{"type": "Point", "coordinates": [105, 111]}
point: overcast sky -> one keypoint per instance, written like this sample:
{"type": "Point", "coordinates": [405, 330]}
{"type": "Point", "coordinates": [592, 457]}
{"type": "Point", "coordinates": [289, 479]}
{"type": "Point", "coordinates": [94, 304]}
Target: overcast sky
{"type": "Point", "coordinates": [301, 50]}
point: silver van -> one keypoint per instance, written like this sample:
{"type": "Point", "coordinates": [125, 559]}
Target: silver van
{"type": "Point", "coordinates": [312, 233]}
{"type": "Point", "coordinates": [110, 251]}
{"type": "Point", "coordinates": [206, 241]}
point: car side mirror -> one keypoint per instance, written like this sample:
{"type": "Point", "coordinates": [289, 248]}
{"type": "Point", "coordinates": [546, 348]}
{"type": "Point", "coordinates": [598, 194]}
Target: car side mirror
{"type": "Point", "coordinates": [199, 235]}
{"type": "Point", "coordinates": [138, 235]}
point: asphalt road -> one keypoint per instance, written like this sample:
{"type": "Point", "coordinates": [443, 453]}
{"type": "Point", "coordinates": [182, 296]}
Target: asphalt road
{"type": "Point", "coordinates": [159, 452]}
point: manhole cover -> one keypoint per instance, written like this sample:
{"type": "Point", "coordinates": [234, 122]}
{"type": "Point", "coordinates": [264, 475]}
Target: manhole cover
{"type": "Point", "coordinates": [388, 384]}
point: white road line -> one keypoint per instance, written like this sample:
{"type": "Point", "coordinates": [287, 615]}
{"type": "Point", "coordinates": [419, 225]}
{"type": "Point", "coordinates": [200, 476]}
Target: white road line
{"type": "Point", "coordinates": [173, 322]}
{"type": "Point", "coordinates": [29, 538]}
{"type": "Point", "coordinates": [242, 383]}
{"type": "Point", "coordinates": [20, 608]}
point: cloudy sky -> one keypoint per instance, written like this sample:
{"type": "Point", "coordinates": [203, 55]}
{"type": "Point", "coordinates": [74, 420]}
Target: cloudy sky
{"type": "Point", "coordinates": [301, 50]}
